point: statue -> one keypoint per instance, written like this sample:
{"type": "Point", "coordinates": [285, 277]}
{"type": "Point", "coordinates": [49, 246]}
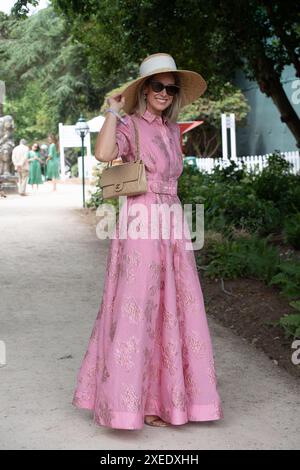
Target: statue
{"type": "Point", "coordinates": [7, 178]}
{"type": "Point", "coordinates": [6, 144]}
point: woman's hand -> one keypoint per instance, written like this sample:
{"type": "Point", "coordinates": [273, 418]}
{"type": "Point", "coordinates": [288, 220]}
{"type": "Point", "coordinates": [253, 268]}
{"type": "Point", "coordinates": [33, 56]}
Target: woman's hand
{"type": "Point", "coordinates": [116, 102]}
{"type": "Point", "coordinates": [106, 147]}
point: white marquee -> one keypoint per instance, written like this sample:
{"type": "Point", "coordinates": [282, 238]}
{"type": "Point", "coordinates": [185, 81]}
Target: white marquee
{"type": "Point", "coordinates": [68, 138]}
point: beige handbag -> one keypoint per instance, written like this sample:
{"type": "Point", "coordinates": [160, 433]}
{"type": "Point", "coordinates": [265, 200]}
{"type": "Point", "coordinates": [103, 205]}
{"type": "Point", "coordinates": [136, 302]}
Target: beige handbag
{"type": "Point", "coordinates": [127, 179]}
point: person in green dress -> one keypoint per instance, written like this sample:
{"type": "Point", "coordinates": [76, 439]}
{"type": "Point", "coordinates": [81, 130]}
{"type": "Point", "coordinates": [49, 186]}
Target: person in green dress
{"type": "Point", "coordinates": [35, 161]}
{"type": "Point", "coordinates": [52, 172]}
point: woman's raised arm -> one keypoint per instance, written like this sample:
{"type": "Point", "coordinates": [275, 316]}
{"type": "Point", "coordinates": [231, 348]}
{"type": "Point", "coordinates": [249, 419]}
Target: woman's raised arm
{"type": "Point", "coordinates": [106, 147]}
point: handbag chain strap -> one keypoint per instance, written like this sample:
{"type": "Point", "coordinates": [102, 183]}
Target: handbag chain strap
{"type": "Point", "coordinates": [137, 140]}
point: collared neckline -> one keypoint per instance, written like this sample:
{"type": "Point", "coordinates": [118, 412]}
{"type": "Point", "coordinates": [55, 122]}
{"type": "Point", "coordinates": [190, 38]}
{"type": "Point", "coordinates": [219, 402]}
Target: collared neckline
{"type": "Point", "coordinates": [150, 117]}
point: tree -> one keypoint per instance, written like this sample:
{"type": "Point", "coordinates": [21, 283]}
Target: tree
{"type": "Point", "coordinates": [45, 73]}
{"type": "Point", "coordinates": [266, 36]}
{"type": "Point", "coordinates": [21, 7]}
{"type": "Point", "coordinates": [214, 37]}
{"type": "Point", "coordinates": [205, 140]}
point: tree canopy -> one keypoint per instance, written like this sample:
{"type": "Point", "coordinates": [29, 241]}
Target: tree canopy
{"type": "Point", "coordinates": [45, 73]}
{"type": "Point", "coordinates": [213, 37]}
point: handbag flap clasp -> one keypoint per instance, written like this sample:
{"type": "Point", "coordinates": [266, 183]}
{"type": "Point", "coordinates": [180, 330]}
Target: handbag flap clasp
{"type": "Point", "coordinates": [120, 173]}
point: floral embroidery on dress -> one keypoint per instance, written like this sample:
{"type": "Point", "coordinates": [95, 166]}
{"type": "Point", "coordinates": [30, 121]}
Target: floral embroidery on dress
{"type": "Point", "coordinates": [155, 371]}
{"type": "Point", "coordinates": [76, 400]}
{"type": "Point", "coordinates": [196, 345]}
{"type": "Point", "coordinates": [129, 265]}
{"type": "Point", "coordinates": [150, 332]}
{"type": "Point", "coordinates": [132, 310]}
{"type": "Point", "coordinates": [178, 166]}
{"type": "Point", "coordinates": [150, 163]}
{"type": "Point", "coordinates": [149, 310]}
{"type": "Point", "coordinates": [163, 266]}
{"type": "Point", "coordinates": [165, 413]}
{"type": "Point", "coordinates": [108, 309]}
{"type": "Point", "coordinates": [178, 398]}
{"type": "Point", "coordinates": [154, 289]}
{"type": "Point", "coordinates": [155, 270]}
{"type": "Point", "coordinates": [211, 373]}
{"type": "Point", "coordinates": [186, 296]}
{"type": "Point", "coordinates": [125, 351]}
{"type": "Point", "coordinates": [169, 354]}
{"type": "Point", "coordinates": [129, 399]}
{"type": "Point", "coordinates": [81, 398]}
{"type": "Point", "coordinates": [158, 140]}
{"type": "Point", "coordinates": [147, 355]}
{"type": "Point", "coordinates": [169, 319]}
{"type": "Point", "coordinates": [190, 384]}
{"type": "Point", "coordinates": [112, 255]}
{"type": "Point", "coordinates": [89, 377]}
{"type": "Point", "coordinates": [103, 412]}
{"type": "Point", "coordinates": [105, 374]}
{"type": "Point", "coordinates": [147, 359]}
{"type": "Point", "coordinates": [91, 372]}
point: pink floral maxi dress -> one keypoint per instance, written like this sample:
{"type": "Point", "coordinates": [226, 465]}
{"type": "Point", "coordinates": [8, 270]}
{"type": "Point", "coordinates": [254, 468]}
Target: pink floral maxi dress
{"type": "Point", "coordinates": [150, 351]}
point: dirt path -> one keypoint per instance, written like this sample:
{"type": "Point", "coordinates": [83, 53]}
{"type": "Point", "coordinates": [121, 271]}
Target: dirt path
{"type": "Point", "coordinates": [52, 271]}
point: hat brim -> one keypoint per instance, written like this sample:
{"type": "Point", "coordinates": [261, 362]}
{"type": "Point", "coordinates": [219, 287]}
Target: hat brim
{"type": "Point", "coordinates": [192, 86]}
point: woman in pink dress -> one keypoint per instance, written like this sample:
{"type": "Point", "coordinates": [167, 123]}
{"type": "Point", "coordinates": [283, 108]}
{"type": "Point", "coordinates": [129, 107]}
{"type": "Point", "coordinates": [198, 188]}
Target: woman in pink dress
{"type": "Point", "coordinates": [149, 358]}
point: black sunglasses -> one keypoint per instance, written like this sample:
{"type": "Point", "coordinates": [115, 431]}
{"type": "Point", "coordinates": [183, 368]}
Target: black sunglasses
{"type": "Point", "coordinates": [171, 90]}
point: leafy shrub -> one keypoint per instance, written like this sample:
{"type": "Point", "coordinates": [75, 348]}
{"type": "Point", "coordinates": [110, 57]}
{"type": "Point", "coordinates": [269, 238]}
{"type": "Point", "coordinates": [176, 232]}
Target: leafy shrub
{"type": "Point", "coordinates": [291, 230]}
{"type": "Point", "coordinates": [288, 279]}
{"type": "Point", "coordinates": [276, 184]}
{"type": "Point", "coordinates": [96, 198]}
{"type": "Point", "coordinates": [243, 257]}
{"type": "Point", "coordinates": [74, 170]}
{"type": "Point", "coordinates": [231, 172]}
{"type": "Point", "coordinates": [291, 323]}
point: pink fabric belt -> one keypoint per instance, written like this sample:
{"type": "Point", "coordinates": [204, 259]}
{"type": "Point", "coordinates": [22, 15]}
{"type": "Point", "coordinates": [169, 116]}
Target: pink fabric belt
{"type": "Point", "coordinates": [163, 187]}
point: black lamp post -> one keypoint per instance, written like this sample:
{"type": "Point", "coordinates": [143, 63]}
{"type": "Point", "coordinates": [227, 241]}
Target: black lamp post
{"type": "Point", "coordinates": [82, 129]}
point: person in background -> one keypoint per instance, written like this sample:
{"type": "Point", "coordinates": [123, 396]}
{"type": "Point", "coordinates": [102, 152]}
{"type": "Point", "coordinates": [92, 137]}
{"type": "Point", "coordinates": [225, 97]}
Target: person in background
{"type": "Point", "coordinates": [44, 156]}
{"type": "Point", "coordinates": [20, 161]}
{"type": "Point", "coordinates": [52, 161]}
{"type": "Point", "coordinates": [35, 161]}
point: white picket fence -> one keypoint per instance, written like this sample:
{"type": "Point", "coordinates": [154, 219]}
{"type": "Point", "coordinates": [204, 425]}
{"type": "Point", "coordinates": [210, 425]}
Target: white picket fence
{"type": "Point", "coordinates": [253, 162]}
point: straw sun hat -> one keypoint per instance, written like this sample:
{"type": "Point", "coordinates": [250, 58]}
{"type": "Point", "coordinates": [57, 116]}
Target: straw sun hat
{"type": "Point", "coordinates": [191, 83]}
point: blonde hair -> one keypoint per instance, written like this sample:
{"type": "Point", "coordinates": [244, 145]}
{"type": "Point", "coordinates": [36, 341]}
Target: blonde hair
{"type": "Point", "coordinates": [172, 111]}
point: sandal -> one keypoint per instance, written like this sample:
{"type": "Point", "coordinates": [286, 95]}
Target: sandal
{"type": "Point", "coordinates": [155, 421]}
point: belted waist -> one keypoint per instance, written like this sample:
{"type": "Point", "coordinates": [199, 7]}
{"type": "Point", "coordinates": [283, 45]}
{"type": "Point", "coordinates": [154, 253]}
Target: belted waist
{"type": "Point", "coordinates": [163, 187]}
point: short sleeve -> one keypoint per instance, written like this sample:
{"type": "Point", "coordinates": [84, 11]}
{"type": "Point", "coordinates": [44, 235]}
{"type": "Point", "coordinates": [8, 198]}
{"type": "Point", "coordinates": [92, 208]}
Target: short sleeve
{"type": "Point", "coordinates": [124, 139]}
